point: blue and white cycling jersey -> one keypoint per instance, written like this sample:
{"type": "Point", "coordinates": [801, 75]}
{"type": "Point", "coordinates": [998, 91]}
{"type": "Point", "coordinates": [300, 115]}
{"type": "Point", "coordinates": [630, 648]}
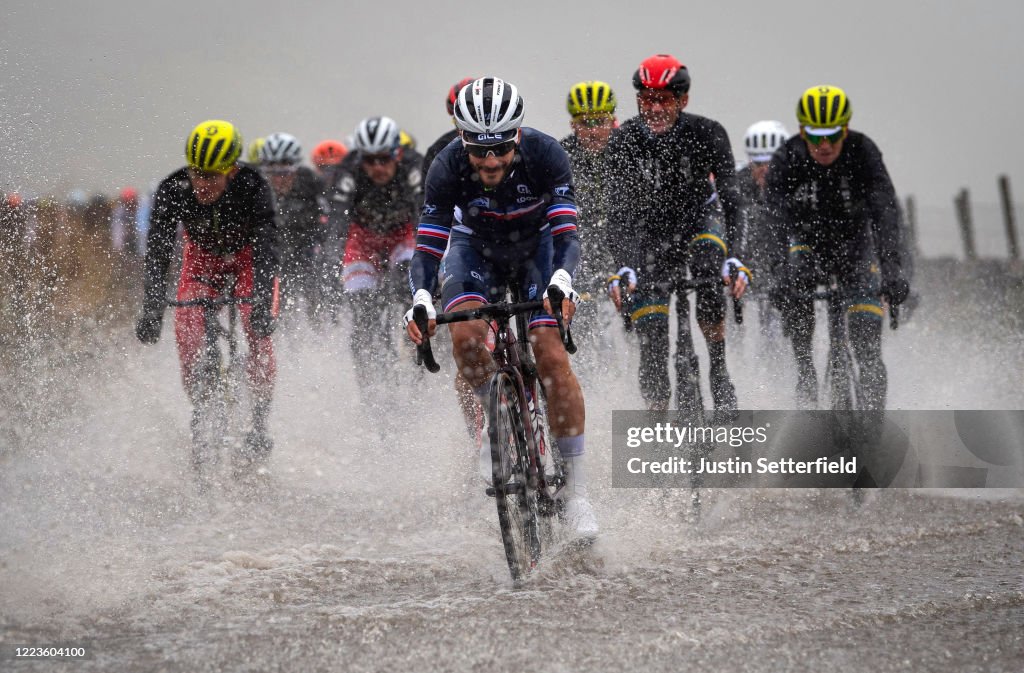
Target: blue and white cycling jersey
{"type": "Point", "coordinates": [505, 225]}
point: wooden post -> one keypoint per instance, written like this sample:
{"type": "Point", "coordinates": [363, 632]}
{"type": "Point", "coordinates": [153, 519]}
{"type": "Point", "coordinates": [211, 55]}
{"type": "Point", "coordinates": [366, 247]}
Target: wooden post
{"type": "Point", "coordinates": [1009, 216]}
{"type": "Point", "coordinates": [911, 218]}
{"type": "Point", "coordinates": [963, 212]}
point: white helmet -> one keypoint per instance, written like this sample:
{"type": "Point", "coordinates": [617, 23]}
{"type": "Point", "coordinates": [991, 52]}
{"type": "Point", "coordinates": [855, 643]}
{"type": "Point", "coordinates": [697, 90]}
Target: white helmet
{"type": "Point", "coordinates": [489, 108]}
{"type": "Point", "coordinates": [281, 148]}
{"type": "Point", "coordinates": [763, 138]}
{"type": "Point", "coordinates": [376, 135]}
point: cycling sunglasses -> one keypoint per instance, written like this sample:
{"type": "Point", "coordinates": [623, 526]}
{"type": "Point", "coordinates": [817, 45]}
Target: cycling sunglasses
{"type": "Point", "coordinates": [832, 138]}
{"type": "Point", "coordinates": [377, 159]}
{"type": "Point", "coordinates": [592, 122]}
{"type": "Point", "coordinates": [484, 151]}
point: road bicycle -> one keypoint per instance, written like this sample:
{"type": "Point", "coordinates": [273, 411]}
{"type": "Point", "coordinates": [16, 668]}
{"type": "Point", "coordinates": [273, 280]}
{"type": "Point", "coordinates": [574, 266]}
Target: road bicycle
{"type": "Point", "coordinates": [689, 399]}
{"type": "Point", "coordinates": [218, 388]}
{"type": "Point", "coordinates": [527, 470]}
{"type": "Point", "coordinates": [855, 426]}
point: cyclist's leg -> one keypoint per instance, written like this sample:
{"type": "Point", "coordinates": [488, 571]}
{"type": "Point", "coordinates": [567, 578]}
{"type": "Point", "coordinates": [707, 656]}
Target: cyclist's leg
{"type": "Point", "coordinates": [189, 323]}
{"type": "Point", "coordinates": [798, 316]}
{"type": "Point", "coordinates": [467, 284]}
{"type": "Point", "coordinates": [566, 409]}
{"type": "Point", "coordinates": [864, 318]}
{"type": "Point", "coordinates": [650, 320]}
{"type": "Point", "coordinates": [361, 278]}
{"type": "Point", "coordinates": [261, 366]}
{"type": "Point", "coordinates": [707, 254]}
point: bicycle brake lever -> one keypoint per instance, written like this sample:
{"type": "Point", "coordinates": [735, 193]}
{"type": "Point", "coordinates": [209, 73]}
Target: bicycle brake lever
{"type": "Point", "coordinates": [555, 297]}
{"type": "Point", "coordinates": [424, 354]}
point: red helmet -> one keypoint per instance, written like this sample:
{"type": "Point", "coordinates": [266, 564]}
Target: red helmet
{"type": "Point", "coordinates": [329, 153]}
{"type": "Point", "coordinates": [129, 194]}
{"type": "Point", "coordinates": [454, 91]}
{"type": "Point", "coordinates": [662, 71]}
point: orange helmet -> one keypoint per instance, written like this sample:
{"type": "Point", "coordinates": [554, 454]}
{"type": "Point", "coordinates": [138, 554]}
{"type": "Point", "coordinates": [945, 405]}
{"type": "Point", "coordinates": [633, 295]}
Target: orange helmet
{"type": "Point", "coordinates": [329, 153]}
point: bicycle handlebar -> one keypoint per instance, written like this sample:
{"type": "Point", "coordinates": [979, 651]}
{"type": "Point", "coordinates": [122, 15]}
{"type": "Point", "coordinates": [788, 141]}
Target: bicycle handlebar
{"type": "Point", "coordinates": [425, 354]}
{"type": "Point", "coordinates": [688, 285]}
{"type": "Point", "coordinates": [210, 302]}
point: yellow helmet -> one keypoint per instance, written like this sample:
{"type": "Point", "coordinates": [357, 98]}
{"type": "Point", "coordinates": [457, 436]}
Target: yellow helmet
{"type": "Point", "coordinates": [824, 106]}
{"type": "Point", "coordinates": [213, 146]}
{"type": "Point", "coordinates": [252, 155]}
{"type": "Point", "coordinates": [587, 98]}
{"type": "Point", "coordinates": [406, 140]}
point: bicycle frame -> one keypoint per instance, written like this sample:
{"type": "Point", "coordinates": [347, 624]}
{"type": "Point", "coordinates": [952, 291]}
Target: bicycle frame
{"type": "Point", "coordinates": [210, 413]}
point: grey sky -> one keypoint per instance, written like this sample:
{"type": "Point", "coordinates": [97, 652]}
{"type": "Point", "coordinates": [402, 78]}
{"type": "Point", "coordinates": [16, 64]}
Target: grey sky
{"type": "Point", "coordinates": [102, 94]}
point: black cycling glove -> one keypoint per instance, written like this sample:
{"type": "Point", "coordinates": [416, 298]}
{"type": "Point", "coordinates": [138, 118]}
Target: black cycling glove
{"type": "Point", "coordinates": [261, 320]}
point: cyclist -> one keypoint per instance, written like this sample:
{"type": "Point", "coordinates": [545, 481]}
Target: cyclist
{"type": "Point", "coordinates": [378, 194]}
{"type": "Point", "coordinates": [122, 223]}
{"type": "Point", "coordinates": [302, 219]}
{"type": "Point", "coordinates": [326, 156]}
{"type": "Point", "coordinates": [227, 211]}
{"type": "Point", "coordinates": [252, 154]}
{"type": "Point", "coordinates": [509, 190]}
{"type": "Point", "coordinates": [761, 140]}
{"type": "Point", "coordinates": [447, 136]}
{"type": "Point", "coordinates": [591, 107]}
{"type": "Point", "coordinates": [674, 183]}
{"type": "Point", "coordinates": [836, 211]}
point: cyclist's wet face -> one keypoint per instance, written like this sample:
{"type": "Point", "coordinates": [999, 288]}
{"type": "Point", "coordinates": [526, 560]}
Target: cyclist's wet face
{"type": "Point", "coordinates": [660, 108]}
{"type": "Point", "coordinates": [759, 171]}
{"type": "Point", "coordinates": [281, 176]}
{"type": "Point", "coordinates": [593, 131]}
{"type": "Point", "coordinates": [380, 168]}
{"type": "Point", "coordinates": [825, 150]}
{"type": "Point", "coordinates": [208, 186]}
{"type": "Point", "coordinates": [493, 168]}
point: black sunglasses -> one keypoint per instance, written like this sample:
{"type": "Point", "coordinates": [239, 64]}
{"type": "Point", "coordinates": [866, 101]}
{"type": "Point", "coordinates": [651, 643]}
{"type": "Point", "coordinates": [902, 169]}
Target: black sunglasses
{"type": "Point", "coordinates": [484, 151]}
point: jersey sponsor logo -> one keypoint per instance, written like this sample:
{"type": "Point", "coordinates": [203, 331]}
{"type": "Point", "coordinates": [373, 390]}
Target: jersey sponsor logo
{"type": "Point", "coordinates": [807, 194]}
{"type": "Point", "coordinates": [562, 190]}
{"type": "Point", "coordinates": [523, 189]}
{"type": "Point", "coordinates": [429, 209]}
{"type": "Point", "coordinates": [482, 202]}
{"type": "Point", "coordinates": [531, 294]}
{"type": "Point", "coordinates": [476, 274]}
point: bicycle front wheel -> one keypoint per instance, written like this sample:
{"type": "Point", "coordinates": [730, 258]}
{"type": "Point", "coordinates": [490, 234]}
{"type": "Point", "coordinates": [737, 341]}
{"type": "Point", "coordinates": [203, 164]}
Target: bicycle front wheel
{"type": "Point", "coordinates": [516, 497]}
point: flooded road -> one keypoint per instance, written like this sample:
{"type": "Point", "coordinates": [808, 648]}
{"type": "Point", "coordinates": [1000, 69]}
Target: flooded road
{"type": "Point", "coordinates": [371, 546]}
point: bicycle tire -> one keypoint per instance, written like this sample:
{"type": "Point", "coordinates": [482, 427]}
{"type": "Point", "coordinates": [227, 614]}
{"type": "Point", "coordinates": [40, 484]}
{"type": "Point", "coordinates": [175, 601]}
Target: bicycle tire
{"type": "Point", "coordinates": [514, 494]}
{"type": "Point", "coordinates": [209, 422]}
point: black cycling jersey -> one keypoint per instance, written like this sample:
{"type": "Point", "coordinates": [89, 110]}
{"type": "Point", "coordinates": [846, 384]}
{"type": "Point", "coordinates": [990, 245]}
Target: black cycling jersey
{"type": "Point", "coordinates": [662, 190]}
{"type": "Point", "coordinates": [243, 216]}
{"type": "Point", "coordinates": [505, 223]}
{"type": "Point", "coordinates": [379, 209]}
{"type": "Point", "coordinates": [590, 174]}
{"type": "Point", "coordinates": [435, 149]}
{"type": "Point", "coordinates": [302, 213]}
{"type": "Point", "coordinates": [843, 211]}
{"type": "Point", "coordinates": [757, 226]}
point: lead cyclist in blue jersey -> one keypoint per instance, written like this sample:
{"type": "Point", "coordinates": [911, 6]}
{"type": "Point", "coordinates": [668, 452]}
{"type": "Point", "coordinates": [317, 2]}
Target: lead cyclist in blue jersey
{"type": "Point", "coordinates": [501, 200]}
